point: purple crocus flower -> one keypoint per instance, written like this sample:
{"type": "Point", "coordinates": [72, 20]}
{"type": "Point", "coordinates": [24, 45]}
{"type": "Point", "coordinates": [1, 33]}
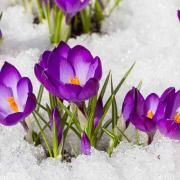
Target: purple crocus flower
{"type": "Point", "coordinates": [71, 74]}
{"type": "Point", "coordinates": [141, 112]}
{"type": "Point", "coordinates": [55, 117]}
{"type": "Point", "coordinates": [169, 124]}
{"type": "Point", "coordinates": [0, 35]}
{"type": "Point", "coordinates": [16, 96]}
{"type": "Point", "coordinates": [85, 144]}
{"type": "Point", "coordinates": [71, 7]}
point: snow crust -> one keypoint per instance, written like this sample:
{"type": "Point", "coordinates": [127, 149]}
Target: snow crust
{"type": "Point", "coordinates": [147, 32]}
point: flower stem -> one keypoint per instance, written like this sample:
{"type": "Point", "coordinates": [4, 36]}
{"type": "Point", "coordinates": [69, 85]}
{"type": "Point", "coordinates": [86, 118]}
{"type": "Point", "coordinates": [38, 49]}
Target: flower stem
{"type": "Point", "coordinates": [25, 126]}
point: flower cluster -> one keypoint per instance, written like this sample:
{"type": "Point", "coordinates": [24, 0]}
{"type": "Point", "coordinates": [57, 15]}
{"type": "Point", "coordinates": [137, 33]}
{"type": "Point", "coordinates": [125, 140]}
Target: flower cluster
{"type": "Point", "coordinates": [68, 18]}
{"type": "Point", "coordinates": [76, 102]}
{"type": "Point", "coordinates": [154, 112]}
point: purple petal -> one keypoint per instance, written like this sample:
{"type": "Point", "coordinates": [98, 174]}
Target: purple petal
{"type": "Point", "coordinates": [143, 123]}
{"type": "Point", "coordinates": [62, 50]}
{"type": "Point", "coordinates": [176, 104]}
{"type": "Point", "coordinates": [95, 70]}
{"type": "Point", "coordinates": [81, 59]}
{"type": "Point", "coordinates": [5, 93]}
{"type": "Point", "coordinates": [178, 14]}
{"type": "Point", "coordinates": [42, 76]}
{"type": "Point", "coordinates": [44, 59]}
{"type": "Point", "coordinates": [9, 75]}
{"type": "Point", "coordinates": [12, 119]}
{"type": "Point", "coordinates": [128, 104]}
{"type": "Point", "coordinates": [30, 105]}
{"type": "Point", "coordinates": [55, 117]}
{"type": "Point", "coordinates": [89, 90]}
{"type": "Point", "coordinates": [169, 128]}
{"type": "Point", "coordinates": [24, 87]}
{"type": "Point", "coordinates": [151, 103]}
{"type": "Point", "coordinates": [85, 145]}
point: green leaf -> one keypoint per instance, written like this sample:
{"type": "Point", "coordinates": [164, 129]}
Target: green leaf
{"type": "Point", "coordinates": [43, 135]}
{"type": "Point", "coordinates": [103, 90]}
{"type": "Point", "coordinates": [76, 122]}
{"type": "Point", "coordinates": [114, 108]}
{"type": "Point", "coordinates": [39, 97]}
{"type": "Point", "coordinates": [55, 140]}
{"type": "Point", "coordinates": [106, 108]}
{"type": "Point", "coordinates": [91, 116]}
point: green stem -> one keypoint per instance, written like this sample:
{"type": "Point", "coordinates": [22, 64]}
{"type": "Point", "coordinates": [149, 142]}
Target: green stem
{"type": "Point", "coordinates": [40, 9]}
{"type": "Point", "coordinates": [43, 135]}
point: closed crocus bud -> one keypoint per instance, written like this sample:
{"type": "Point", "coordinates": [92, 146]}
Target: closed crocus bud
{"type": "Point", "coordinates": [178, 14]}
{"type": "Point", "coordinates": [98, 112]}
{"type": "Point", "coordinates": [85, 144]}
{"type": "Point", "coordinates": [16, 96]}
{"type": "Point", "coordinates": [169, 124]}
{"type": "Point", "coordinates": [56, 118]}
{"type": "Point", "coordinates": [71, 74]}
{"type": "Point", "coordinates": [71, 7]}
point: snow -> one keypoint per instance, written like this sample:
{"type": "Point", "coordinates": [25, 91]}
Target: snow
{"type": "Point", "coordinates": [147, 32]}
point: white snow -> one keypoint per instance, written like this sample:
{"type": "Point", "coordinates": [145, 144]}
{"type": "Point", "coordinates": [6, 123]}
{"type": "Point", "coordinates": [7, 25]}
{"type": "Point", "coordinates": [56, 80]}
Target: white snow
{"type": "Point", "coordinates": [147, 32]}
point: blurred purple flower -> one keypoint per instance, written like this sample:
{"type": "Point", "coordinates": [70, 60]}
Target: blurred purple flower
{"type": "Point", "coordinates": [16, 96]}
{"type": "Point", "coordinates": [71, 7]}
{"type": "Point", "coordinates": [178, 14]}
{"type": "Point", "coordinates": [55, 117]}
{"type": "Point", "coordinates": [71, 74]}
{"type": "Point", "coordinates": [85, 145]}
{"type": "Point", "coordinates": [141, 112]}
{"type": "Point", "coordinates": [169, 124]}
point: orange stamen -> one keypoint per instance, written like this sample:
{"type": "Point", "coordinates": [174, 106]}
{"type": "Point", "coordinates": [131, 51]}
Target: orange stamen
{"type": "Point", "coordinates": [150, 114]}
{"type": "Point", "coordinates": [177, 117]}
{"type": "Point", "coordinates": [74, 81]}
{"type": "Point", "coordinates": [12, 104]}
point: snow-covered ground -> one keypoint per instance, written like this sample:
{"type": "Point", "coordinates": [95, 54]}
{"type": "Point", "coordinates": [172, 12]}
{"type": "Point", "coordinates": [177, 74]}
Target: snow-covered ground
{"type": "Point", "coordinates": [147, 32]}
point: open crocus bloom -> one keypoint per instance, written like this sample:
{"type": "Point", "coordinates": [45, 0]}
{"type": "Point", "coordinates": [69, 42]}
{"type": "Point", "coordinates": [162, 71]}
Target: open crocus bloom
{"type": "Point", "coordinates": [139, 111]}
{"type": "Point", "coordinates": [70, 74]}
{"type": "Point", "coordinates": [169, 124]}
{"type": "Point", "coordinates": [71, 7]}
{"type": "Point", "coordinates": [16, 96]}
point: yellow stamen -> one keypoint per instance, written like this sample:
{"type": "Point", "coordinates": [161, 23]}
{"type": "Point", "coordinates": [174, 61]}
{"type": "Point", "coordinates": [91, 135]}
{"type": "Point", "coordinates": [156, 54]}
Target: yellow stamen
{"type": "Point", "coordinates": [74, 81]}
{"type": "Point", "coordinates": [177, 117]}
{"type": "Point", "coordinates": [150, 114]}
{"type": "Point", "coordinates": [12, 104]}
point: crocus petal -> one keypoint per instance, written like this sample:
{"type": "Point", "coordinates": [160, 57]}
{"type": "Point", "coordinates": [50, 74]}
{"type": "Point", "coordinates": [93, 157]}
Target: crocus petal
{"type": "Point", "coordinates": [12, 119]}
{"type": "Point", "coordinates": [143, 123]}
{"type": "Point", "coordinates": [151, 103]}
{"type": "Point", "coordinates": [80, 58]}
{"type": "Point", "coordinates": [30, 104]}
{"type": "Point", "coordinates": [169, 128]}
{"type": "Point", "coordinates": [44, 59]}
{"type": "Point", "coordinates": [178, 14]}
{"type": "Point", "coordinates": [70, 92]}
{"type": "Point", "coordinates": [89, 90]}
{"type": "Point", "coordinates": [5, 93]}
{"type": "Point", "coordinates": [9, 75]}
{"type": "Point", "coordinates": [42, 76]}
{"type": "Point", "coordinates": [85, 144]}
{"type": "Point", "coordinates": [55, 117]}
{"type": "Point", "coordinates": [62, 50]}
{"type": "Point", "coordinates": [98, 112]}
{"type": "Point", "coordinates": [24, 86]}
{"type": "Point", "coordinates": [95, 70]}
{"type": "Point", "coordinates": [176, 104]}
{"type": "Point", "coordinates": [128, 104]}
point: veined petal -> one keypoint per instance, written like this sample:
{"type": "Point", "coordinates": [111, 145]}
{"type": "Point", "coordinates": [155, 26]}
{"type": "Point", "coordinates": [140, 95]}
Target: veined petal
{"type": "Point", "coordinates": [89, 90]}
{"type": "Point", "coordinates": [81, 59]}
{"type": "Point", "coordinates": [9, 75]}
